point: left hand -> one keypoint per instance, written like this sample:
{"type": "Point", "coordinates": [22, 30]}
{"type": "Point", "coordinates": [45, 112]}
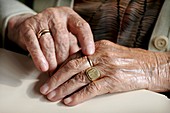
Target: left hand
{"type": "Point", "coordinates": [65, 30]}
{"type": "Point", "coordinates": [121, 68]}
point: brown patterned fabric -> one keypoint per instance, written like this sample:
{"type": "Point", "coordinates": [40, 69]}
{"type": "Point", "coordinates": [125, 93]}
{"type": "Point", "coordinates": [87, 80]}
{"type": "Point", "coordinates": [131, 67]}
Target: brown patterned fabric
{"type": "Point", "coordinates": [126, 22]}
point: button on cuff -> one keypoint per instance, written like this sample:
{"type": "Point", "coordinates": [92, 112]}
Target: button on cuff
{"type": "Point", "coordinates": [161, 42]}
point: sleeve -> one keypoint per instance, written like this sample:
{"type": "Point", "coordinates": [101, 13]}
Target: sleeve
{"type": "Point", "coordinates": [160, 38]}
{"type": "Point", "coordinates": [9, 8]}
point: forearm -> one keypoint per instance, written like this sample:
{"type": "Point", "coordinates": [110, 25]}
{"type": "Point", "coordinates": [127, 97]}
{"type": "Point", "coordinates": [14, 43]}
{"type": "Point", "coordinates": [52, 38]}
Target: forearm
{"type": "Point", "coordinates": [9, 8]}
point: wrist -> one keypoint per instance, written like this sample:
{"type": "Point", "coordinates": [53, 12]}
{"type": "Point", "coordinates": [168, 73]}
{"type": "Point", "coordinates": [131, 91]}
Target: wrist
{"type": "Point", "coordinates": [159, 80]}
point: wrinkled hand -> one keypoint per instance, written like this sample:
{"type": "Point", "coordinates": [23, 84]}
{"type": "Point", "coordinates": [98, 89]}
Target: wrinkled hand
{"type": "Point", "coordinates": [51, 49]}
{"type": "Point", "coordinates": [122, 69]}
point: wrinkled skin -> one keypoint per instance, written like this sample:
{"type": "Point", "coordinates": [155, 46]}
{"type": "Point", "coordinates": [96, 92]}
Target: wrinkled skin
{"type": "Point", "coordinates": [51, 49]}
{"type": "Point", "coordinates": [122, 69]}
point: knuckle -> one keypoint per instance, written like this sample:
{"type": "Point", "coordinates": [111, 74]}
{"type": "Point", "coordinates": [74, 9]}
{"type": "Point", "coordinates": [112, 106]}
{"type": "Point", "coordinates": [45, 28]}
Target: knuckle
{"type": "Point", "coordinates": [80, 78]}
{"type": "Point", "coordinates": [104, 42]}
{"type": "Point", "coordinates": [62, 90]}
{"type": "Point", "coordinates": [65, 8]}
{"type": "Point", "coordinates": [49, 55]}
{"type": "Point", "coordinates": [38, 16]}
{"type": "Point", "coordinates": [93, 88]}
{"type": "Point", "coordinates": [53, 80]}
{"type": "Point", "coordinates": [60, 27]}
{"type": "Point", "coordinates": [27, 31]}
{"type": "Point", "coordinates": [63, 31]}
{"type": "Point", "coordinates": [82, 24]}
{"type": "Point", "coordinates": [74, 64]}
{"type": "Point", "coordinates": [27, 36]}
{"type": "Point", "coordinates": [49, 10]}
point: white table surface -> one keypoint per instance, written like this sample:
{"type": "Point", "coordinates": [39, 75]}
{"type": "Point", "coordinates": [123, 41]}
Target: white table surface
{"type": "Point", "coordinates": [19, 93]}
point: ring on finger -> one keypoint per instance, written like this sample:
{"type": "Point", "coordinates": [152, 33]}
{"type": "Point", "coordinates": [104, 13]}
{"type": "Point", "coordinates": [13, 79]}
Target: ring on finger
{"type": "Point", "coordinates": [90, 62]}
{"type": "Point", "coordinates": [42, 32]}
{"type": "Point", "coordinates": [92, 73]}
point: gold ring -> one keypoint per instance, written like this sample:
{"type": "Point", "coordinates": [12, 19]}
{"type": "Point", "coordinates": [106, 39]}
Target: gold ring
{"type": "Point", "coordinates": [92, 73]}
{"type": "Point", "coordinates": [90, 62]}
{"type": "Point", "coordinates": [42, 32]}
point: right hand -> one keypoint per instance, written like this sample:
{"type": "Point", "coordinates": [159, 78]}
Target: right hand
{"type": "Point", "coordinates": [121, 69]}
{"type": "Point", "coordinates": [67, 29]}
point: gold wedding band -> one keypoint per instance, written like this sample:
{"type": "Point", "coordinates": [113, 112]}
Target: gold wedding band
{"type": "Point", "coordinates": [90, 62]}
{"type": "Point", "coordinates": [42, 32]}
{"type": "Point", "coordinates": [92, 73]}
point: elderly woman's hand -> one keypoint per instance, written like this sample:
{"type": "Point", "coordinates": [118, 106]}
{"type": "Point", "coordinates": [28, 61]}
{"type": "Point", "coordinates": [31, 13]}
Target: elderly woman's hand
{"type": "Point", "coordinates": [66, 27]}
{"type": "Point", "coordinates": [121, 69]}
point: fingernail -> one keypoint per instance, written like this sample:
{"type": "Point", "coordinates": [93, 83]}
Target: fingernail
{"type": "Point", "coordinates": [89, 49]}
{"type": "Point", "coordinates": [51, 95]}
{"type": "Point", "coordinates": [67, 100]}
{"type": "Point", "coordinates": [44, 89]}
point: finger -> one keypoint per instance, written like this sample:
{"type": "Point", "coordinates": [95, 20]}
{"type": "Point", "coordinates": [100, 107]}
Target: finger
{"type": "Point", "coordinates": [72, 85]}
{"type": "Point", "coordinates": [73, 44]}
{"type": "Point", "coordinates": [82, 30]}
{"type": "Point", "coordinates": [33, 47]}
{"type": "Point", "coordinates": [63, 74]}
{"type": "Point", "coordinates": [61, 40]}
{"type": "Point", "coordinates": [47, 46]}
{"type": "Point", "coordinates": [93, 89]}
